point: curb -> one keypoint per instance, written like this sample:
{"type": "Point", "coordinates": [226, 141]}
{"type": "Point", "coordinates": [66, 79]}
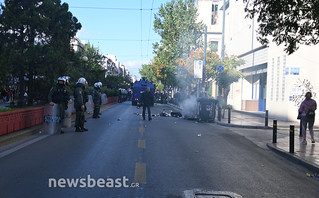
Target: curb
{"type": "Point", "coordinates": [20, 135]}
{"type": "Point", "coordinates": [243, 126]}
{"type": "Point", "coordinates": [25, 133]}
{"type": "Point", "coordinates": [312, 167]}
{"type": "Point", "coordinates": [257, 114]}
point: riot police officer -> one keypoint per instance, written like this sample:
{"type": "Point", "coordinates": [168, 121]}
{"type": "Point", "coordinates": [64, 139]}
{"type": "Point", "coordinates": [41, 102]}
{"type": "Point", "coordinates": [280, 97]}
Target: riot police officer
{"type": "Point", "coordinates": [79, 104]}
{"type": "Point", "coordinates": [59, 96]}
{"type": "Point", "coordinates": [97, 100]}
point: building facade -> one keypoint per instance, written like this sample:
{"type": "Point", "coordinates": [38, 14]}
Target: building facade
{"type": "Point", "coordinates": [273, 80]}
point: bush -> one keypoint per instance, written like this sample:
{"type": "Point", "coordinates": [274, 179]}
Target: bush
{"type": "Point", "coordinates": [110, 92]}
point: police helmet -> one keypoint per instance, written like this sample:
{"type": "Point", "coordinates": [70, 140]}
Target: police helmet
{"type": "Point", "coordinates": [62, 79]}
{"type": "Point", "coordinates": [82, 81]}
{"type": "Point", "coordinates": [67, 79]}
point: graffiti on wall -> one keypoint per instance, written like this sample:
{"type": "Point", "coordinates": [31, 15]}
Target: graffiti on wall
{"type": "Point", "coordinates": [299, 91]}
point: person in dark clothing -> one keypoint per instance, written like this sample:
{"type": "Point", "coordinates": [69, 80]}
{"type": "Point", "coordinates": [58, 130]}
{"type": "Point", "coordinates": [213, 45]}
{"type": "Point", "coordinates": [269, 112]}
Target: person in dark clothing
{"type": "Point", "coordinates": [59, 96]}
{"type": "Point", "coordinates": [79, 105]}
{"type": "Point", "coordinates": [97, 100]}
{"type": "Point", "coordinates": [147, 101]}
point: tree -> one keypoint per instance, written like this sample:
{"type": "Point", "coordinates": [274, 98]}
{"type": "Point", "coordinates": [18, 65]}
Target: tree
{"type": "Point", "coordinates": [288, 22]}
{"type": "Point", "coordinates": [35, 41]}
{"type": "Point", "coordinates": [92, 69]}
{"type": "Point", "coordinates": [149, 71]}
{"type": "Point", "coordinates": [115, 82]}
{"type": "Point", "coordinates": [228, 76]}
{"type": "Point", "coordinates": [176, 23]}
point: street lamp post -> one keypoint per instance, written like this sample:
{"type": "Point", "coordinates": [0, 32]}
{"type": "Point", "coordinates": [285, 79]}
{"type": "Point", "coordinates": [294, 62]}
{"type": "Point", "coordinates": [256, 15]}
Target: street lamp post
{"type": "Point", "coordinates": [222, 60]}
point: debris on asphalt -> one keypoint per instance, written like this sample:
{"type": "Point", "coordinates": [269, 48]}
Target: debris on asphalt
{"type": "Point", "coordinates": [119, 119]}
{"type": "Point", "coordinates": [315, 175]}
{"type": "Point", "coordinates": [309, 175]}
{"type": "Point", "coordinates": [164, 114]}
{"type": "Point", "coordinates": [199, 135]}
{"type": "Point", "coordinates": [176, 114]}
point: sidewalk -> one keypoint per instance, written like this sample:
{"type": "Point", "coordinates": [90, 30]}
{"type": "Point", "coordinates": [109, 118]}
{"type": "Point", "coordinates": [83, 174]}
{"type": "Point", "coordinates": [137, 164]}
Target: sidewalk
{"type": "Point", "coordinates": [306, 155]}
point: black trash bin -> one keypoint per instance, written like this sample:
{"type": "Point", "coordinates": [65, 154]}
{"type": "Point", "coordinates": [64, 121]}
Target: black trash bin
{"type": "Point", "coordinates": [206, 109]}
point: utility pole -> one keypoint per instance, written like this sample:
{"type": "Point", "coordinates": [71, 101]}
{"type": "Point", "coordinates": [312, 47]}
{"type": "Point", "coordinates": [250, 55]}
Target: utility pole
{"type": "Point", "coordinates": [205, 54]}
{"type": "Point", "coordinates": [204, 61]}
{"type": "Point", "coordinates": [222, 60]}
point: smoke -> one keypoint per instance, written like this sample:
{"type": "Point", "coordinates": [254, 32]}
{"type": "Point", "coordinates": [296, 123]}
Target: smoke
{"type": "Point", "coordinates": [189, 106]}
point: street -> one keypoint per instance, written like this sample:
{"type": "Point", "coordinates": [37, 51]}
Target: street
{"type": "Point", "coordinates": [158, 158]}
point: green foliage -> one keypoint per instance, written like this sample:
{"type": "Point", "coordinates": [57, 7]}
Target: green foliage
{"type": "Point", "coordinates": [176, 23]}
{"type": "Point", "coordinates": [149, 71]}
{"type": "Point", "coordinates": [110, 92]}
{"type": "Point", "coordinates": [35, 43]}
{"type": "Point", "coordinates": [115, 82]}
{"type": "Point", "coordinates": [92, 69]}
{"type": "Point", "coordinates": [160, 87]}
{"type": "Point", "coordinates": [291, 22]}
{"type": "Point", "coordinates": [229, 76]}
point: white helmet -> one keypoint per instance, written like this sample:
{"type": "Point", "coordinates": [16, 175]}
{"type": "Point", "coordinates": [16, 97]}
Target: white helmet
{"type": "Point", "coordinates": [98, 84]}
{"type": "Point", "coordinates": [62, 79]}
{"type": "Point", "coordinates": [67, 79]}
{"type": "Point", "coordinates": [82, 81]}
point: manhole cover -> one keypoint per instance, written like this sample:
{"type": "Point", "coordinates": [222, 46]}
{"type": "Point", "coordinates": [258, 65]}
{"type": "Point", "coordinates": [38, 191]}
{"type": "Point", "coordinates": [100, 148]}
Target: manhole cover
{"type": "Point", "coordinates": [213, 196]}
{"type": "Point", "coordinates": [196, 193]}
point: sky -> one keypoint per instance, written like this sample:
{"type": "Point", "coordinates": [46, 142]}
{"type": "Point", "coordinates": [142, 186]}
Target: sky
{"type": "Point", "coordinates": [119, 27]}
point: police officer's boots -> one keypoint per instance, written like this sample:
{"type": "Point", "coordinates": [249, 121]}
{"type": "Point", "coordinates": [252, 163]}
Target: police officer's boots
{"type": "Point", "coordinates": [83, 129]}
{"type": "Point", "coordinates": [78, 129]}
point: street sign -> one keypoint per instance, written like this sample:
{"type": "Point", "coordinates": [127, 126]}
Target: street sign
{"type": "Point", "coordinates": [220, 68]}
{"type": "Point", "coordinates": [198, 69]}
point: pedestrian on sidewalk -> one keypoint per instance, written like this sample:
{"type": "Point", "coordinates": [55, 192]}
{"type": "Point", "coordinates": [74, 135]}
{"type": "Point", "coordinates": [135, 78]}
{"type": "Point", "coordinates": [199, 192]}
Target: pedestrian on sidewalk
{"type": "Point", "coordinates": [59, 96]}
{"type": "Point", "coordinates": [147, 99]}
{"type": "Point", "coordinates": [79, 105]}
{"type": "Point", "coordinates": [307, 112]}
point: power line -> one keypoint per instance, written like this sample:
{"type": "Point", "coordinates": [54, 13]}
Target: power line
{"type": "Point", "coordinates": [149, 31]}
{"type": "Point", "coordinates": [129, 40]}
{"type": "Point", "coordinates": [105, 8]}
{"type": "Point", "coordinates": [141, 30]}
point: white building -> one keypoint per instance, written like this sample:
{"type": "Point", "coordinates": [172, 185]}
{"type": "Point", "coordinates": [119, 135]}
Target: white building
{"type": "Point", "coordinates": [273, 80]}
{"type": "Point", "coordinates": [77, 44]}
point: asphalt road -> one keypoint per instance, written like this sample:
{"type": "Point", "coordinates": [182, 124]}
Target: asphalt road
{"type": "Point", "coordinates": [123, 156]}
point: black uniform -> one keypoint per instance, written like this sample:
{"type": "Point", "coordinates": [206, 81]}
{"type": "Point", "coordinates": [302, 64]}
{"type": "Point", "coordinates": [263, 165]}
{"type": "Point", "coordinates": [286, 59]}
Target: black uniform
{"type": "Point", "coordinates": [97, 100]}
{"type": "Point", "coordinates": [147, 99]}
{"type": "Point", "coordinates": [79, 100]}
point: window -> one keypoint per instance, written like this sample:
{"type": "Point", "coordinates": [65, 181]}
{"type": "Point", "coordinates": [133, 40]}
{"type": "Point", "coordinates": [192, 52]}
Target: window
{"type": "Point", "coordinates": [294, 71]}
{"type": "Point", "coordinates": [214, 14]}
{"type": "Point", "coordinates": [214, 46]}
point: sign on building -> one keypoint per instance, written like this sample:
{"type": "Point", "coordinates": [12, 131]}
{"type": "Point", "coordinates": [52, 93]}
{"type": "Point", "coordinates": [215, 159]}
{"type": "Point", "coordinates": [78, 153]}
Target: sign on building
{"type": "Point", "coordinates": [198, 69]}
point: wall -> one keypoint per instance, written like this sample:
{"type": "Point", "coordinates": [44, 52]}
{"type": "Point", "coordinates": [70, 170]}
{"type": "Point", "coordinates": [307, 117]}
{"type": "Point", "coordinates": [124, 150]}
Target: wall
{"type": "Point", "coordinates": [21, 119]}
{"type": "Point", "coordinates": [286, 88]}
